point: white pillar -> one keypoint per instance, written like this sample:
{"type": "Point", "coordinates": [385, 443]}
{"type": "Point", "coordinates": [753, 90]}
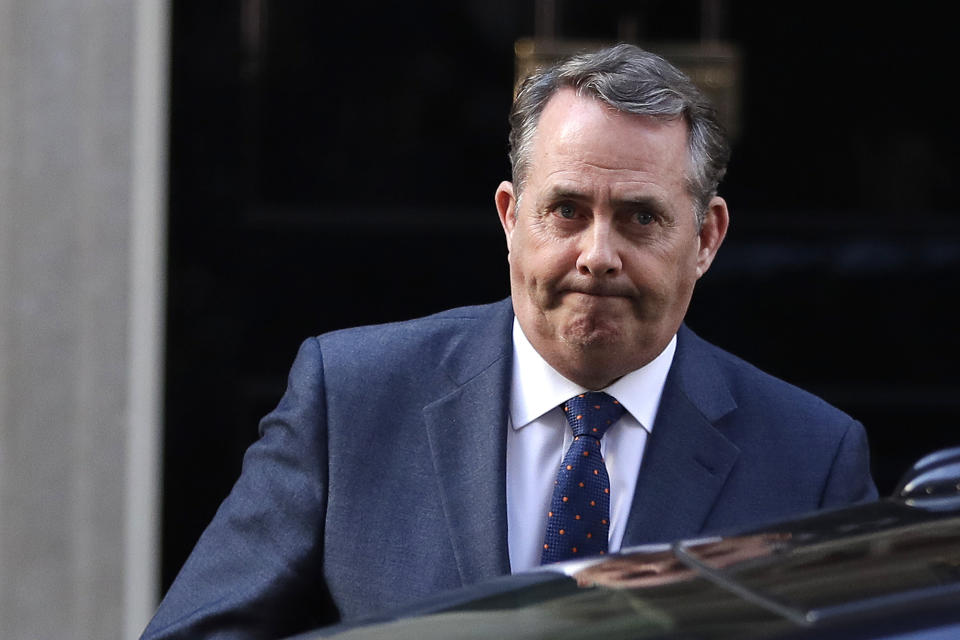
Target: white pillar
{"type": "Point", "coordinates": [82, 152]}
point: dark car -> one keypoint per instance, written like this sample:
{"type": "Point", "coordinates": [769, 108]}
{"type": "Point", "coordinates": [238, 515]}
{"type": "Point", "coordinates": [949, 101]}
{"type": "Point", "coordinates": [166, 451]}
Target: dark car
{"type": "Point", "coordinates": [884, 570]}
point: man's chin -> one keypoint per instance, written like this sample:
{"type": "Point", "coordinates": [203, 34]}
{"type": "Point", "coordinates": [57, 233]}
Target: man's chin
{"type": "Point", "coordinates": [591, 335]}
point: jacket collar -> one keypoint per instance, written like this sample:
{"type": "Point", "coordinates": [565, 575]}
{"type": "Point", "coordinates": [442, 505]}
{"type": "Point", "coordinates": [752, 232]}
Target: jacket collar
{"type": "Point", "coordinates": [687, 460]}
{"type": "Point", "coordinates": [684, 468]}
{"type": "Point", "coordinates": [466, 431]}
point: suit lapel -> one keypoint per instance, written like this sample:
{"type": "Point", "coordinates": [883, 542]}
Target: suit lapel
{"type": "Point", "coordinates": [684, 468]}
{"type": "Point", "coordinates": [687, 459]}
{"type": "Point", "coordinates": [466, 430]}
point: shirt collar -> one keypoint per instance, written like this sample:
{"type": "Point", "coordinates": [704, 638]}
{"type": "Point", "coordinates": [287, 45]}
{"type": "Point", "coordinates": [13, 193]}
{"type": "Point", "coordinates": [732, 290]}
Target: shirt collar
{"type": "Point", "coordinates": [537, 387]}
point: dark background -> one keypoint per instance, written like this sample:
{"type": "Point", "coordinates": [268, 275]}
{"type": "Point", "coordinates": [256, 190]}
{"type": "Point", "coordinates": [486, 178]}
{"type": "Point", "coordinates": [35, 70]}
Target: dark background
{"type": "Point", "coordinates": [333, 164]}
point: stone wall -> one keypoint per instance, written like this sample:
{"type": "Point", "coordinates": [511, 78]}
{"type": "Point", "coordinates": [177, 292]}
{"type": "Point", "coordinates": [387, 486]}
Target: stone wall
{"type": "Point", "coordinates": [82, 115]}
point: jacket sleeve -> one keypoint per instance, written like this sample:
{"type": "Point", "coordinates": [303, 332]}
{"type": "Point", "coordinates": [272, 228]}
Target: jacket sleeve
{"type": "Point", "coordinates": [257, 571]}
{"type": "Point", "coordinates": [850, 480]}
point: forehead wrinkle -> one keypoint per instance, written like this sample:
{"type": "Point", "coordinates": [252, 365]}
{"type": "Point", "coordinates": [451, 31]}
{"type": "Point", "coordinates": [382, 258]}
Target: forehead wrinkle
{"type": "Point", "coordinates": [570, 169]}
{"type": "Point", "coordinates": [617, 194]}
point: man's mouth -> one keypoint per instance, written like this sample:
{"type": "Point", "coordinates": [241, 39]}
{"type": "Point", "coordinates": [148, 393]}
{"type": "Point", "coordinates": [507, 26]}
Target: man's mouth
{"type": "Point", "coordinates": [600, 292]}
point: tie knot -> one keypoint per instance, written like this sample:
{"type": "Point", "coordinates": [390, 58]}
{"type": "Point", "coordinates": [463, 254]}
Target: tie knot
{"type": "Point", "coordinates": [592, 413]}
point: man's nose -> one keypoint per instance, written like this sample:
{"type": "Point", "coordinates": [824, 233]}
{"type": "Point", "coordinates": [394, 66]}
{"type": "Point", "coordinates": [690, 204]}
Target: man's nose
{"type": "Point", "coordinates": [599, 251]}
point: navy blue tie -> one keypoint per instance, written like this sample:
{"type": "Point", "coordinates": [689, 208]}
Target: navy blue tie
{"type": "Point", "coordinates": [579, 519]}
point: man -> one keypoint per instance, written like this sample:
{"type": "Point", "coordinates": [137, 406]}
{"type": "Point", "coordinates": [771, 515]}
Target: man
{"type": "Point", "coordinates": [410, 458]}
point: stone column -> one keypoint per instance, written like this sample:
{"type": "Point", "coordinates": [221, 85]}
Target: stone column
{"type": "Point", "coordinates": [82, 120]}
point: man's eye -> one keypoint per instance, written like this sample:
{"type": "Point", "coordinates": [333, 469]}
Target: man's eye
{"type": "Point", "coordinates": [644, 218]}
{"type": "Point", "coordinates": [566, 211]}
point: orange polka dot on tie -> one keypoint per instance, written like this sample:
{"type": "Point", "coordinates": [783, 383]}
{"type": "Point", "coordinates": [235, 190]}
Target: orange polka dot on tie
{"type": "Point", "coordinates": [561, 532]}
{"type": "Point", "coordinates": [577, 517]}
{"type": "Point", "coordinates": [603, 522]}
{"type": "Point", "coordinates": [581, 484]}
{"type": "Point", "coordinates": [550, 514]}
{"type": "Point", "coordinates": [596, 472]}
{"type": "Point", "coordinates": [569, 467]}
{"type": "Point", "coordinates": [546, 546]}
{"type": "Point", "coordinates": [574, 549]}
{"type": "Point", "coordinates": [586, 453]}
{"type": "Point", "coordinates": [565, 498]}
{"type": "Point", "coordinates": [580, 416]}
{"type": "Point", "coordinates": [593, 503]}
{"type": "Point", "coordinates": [606, 490]}
{"type": "Point", "coordinates": [596, 406]}
{"type": "Point", "coordinates": [589, 535]}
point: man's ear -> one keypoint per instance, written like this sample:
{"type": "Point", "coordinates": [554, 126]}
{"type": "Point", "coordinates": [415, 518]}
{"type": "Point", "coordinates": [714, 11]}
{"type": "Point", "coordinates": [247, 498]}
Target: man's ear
{"type": "Point", "coordinates": [506, 208]}
{"type": "Point", "coordinates": [712, 232]}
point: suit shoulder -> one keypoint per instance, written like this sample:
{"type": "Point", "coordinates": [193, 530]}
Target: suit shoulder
{"type": "Point", "coordinates": [425, 341]}
{"type": "Point", "coordinates": [426, 327]}
{"type": "Point", "coordinates": [756, 390]}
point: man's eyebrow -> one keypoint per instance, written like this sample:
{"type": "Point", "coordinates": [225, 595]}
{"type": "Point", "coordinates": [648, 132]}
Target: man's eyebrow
{"type": "Point", "coordinates": [568, 192]}
{"type": "Point", "coordinates": [638, 201]}
{"type": "Point", "coordinates": [561, 192]}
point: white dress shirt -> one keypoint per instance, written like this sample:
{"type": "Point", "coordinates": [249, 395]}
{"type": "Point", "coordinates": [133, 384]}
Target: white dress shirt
{"type": "Point", "coordinates": [538, 436]}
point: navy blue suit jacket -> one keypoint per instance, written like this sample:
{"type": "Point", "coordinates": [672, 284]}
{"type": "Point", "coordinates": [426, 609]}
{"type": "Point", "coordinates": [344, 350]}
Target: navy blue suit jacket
{"type": "Point", "coordinates": [380, 477]}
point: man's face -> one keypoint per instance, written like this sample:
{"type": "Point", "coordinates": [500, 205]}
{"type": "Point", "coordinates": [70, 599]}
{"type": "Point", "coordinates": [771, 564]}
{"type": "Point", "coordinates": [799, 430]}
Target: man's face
{"type": "Point", "coordinates": [604, 248]}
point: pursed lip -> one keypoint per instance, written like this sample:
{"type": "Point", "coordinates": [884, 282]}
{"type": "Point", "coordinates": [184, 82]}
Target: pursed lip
{"type": "Point", "coordinates": [593, 301]}
{"type": "Point", "coordinates": [602, 291]}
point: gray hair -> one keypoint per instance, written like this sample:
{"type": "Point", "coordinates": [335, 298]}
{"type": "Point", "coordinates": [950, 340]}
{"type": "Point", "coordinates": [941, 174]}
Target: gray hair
{"type": "Point", "coordinates": [631, 80]}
